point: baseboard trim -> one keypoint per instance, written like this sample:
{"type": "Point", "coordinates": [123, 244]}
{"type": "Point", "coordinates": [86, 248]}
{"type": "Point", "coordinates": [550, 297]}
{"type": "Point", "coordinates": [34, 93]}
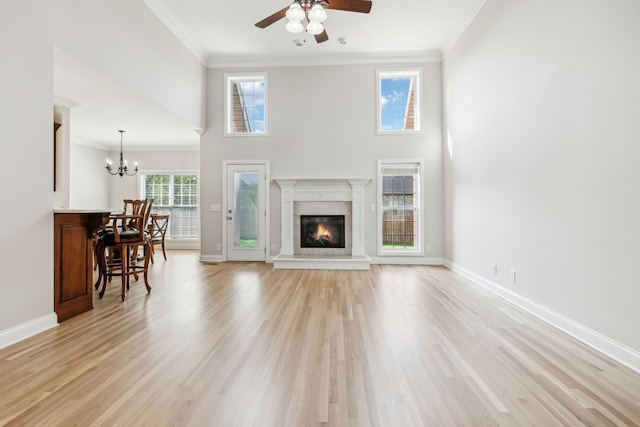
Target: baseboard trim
{"type": "Point", "coordinates": [180, 245]}
{"type": "Point", "coordinates": [319, 262]}
{"type": "Point", "coordinates": [391, 260]}
{"type": "Point", "coordinates": [27, 329]}
{"type": "Point", "coordinates": [211, 259]}
{"type": "Point", "coordinates": [615, 350]}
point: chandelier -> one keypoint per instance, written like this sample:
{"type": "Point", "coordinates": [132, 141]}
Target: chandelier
{"type": "Point", "coordinates": [312, 10]}
{"type": "Point", "coordinates": [123, 169]}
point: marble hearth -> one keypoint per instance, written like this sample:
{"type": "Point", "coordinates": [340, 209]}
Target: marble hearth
{"type": "Point", "coordinates": [322, 196]}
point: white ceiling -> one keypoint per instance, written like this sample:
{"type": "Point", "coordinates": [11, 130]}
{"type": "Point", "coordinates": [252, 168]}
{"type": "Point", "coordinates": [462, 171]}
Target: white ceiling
{"type": "Point", "coordinates": [222, 33]}
{"type": "Point", "coordinates": [100, 106]}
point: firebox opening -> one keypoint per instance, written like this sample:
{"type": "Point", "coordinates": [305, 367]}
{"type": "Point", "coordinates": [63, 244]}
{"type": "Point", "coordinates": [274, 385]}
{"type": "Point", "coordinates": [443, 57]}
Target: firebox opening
{"type": "Point", "coordinates": [322, 231]}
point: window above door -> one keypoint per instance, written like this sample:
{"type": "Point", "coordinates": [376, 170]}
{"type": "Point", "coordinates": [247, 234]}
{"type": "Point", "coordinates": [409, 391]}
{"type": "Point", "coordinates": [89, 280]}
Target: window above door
{"type": "Point", "coordinates": [245, 100]}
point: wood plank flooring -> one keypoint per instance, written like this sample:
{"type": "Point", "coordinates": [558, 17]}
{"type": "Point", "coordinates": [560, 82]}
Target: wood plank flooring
{"type": "Point", "coordinates": [241, 344]}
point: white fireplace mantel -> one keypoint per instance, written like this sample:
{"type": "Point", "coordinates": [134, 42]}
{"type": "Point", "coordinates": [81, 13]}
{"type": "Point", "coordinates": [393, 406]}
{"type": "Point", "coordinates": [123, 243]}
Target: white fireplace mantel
{"type": "Point", "coordinates": [318, 190]}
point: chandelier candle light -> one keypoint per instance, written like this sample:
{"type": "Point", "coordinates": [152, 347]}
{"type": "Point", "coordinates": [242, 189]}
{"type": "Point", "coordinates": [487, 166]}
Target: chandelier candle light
{"type": "Point", "coordinates": [123, 168]}
{"type": "Point", "coordinates": [312, 10]}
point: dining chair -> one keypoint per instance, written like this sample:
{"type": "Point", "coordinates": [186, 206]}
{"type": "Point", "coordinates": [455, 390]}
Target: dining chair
{"type": "Point", "coordinates": [118, 244]}
{"type": "Point", "coordinates": [157, 231]}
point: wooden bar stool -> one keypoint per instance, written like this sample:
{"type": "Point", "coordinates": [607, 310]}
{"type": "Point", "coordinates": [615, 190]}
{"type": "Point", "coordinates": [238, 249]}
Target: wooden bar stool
{"type": "Point", "coordinates": [126, 233]}
{"type": "Point", "coordinates": [157, 231]}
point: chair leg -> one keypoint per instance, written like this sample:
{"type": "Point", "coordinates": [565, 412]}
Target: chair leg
{"type": "Point", "coordinates": [124, 256]}
{"type": "Point", "coordinates": [95, 255]}
{"type": "Point", "coordinates": [147, 256]}
{"type": "Point", "coordinates": [99, 257]}
{"type": "Point", "coordinates": [163, 251]}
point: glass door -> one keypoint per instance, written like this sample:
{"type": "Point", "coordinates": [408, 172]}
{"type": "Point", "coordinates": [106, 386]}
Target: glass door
{"type": "Point", "coordinates": [246, 213]}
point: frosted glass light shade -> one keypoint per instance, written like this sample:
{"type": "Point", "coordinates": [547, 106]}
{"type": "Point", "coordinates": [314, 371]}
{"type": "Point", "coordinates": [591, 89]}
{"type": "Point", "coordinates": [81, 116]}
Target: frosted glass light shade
{"type": "Point", "coordinates": [294, 26]}
{"type": "Point", "coordinates": [295, 12]}
{"type": "Point", "coordinates": [317, 13]}
{"type": "Point", "coordinates": [314, 28]}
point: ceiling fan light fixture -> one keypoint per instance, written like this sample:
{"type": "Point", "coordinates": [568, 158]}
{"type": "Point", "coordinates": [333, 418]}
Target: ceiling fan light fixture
{"type": "Point", "coordinates": [294, 27]}
{"type": "Point", "coordinates": [295, 13]}
{"type": "Point", "coordinates": [317, 13]}
{"type": "Point", "coordinates": [314, 28]}
{"type": "Point", "coordinates": [312, 13]}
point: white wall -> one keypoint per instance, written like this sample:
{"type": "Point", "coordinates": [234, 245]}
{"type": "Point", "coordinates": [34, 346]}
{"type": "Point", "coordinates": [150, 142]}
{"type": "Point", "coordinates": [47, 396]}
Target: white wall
{"type": "Point", "coordinates": [89, 181]}
{"type": "Point", "coordinates": [130, 187]}
{"type": "Point", "coordinates": [26, 119]}
{"type": "Point", "coordinates": [322, 123]}
{"type": "Point", "coordinates": [118, 38]}
{"type": "Point", "coordinates": [124, 40]}
{"type": "Point", "coordinates": [542, 102]}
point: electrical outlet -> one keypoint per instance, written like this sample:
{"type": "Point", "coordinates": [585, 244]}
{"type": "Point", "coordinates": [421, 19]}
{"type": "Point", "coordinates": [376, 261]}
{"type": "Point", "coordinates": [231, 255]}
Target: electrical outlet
{"type": "Point", "coordinates": [219, 246]}
{"type": "Point", "coordinates": [428, 248]}
{"type": "Point", "coordinates": [494, 269]}
{"type": "Point", "coordinates": [273, 247]}
{"type": "Point", "coordinates": [512, 276]}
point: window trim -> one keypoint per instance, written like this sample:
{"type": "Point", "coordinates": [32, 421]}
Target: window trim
{"type": "Point", "coordinates": [382, 73]}
{"type": "Point", "coordinates": [141, 194]}
{"type": "Point", "coordinates": [234, 77]}
{"type": "Point", "coordinates": [419, 251]}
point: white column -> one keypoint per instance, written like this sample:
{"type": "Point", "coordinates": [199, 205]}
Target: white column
{"type": "Point", "coordinates": [357, 216]}
{"type": "Point", "coordinates": [62, 115]}
{"type": "Point", "coordinates": [286, 215]}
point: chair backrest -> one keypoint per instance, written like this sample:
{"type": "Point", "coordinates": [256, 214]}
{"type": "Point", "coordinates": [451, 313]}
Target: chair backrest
{"type": "Point", "coordinates": [147, 212]}
{"type": "Point", "coordinates": [158, 226]}
{"type": "Point", "coordinates": [138, 207]}
{"type": "Point", "coordinates": [133, 207]}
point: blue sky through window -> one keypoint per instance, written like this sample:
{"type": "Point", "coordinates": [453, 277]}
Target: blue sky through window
{"type": "Point", "coordinates": [254, 100]}
{"type": "Point", "coordinates": [394, 92]}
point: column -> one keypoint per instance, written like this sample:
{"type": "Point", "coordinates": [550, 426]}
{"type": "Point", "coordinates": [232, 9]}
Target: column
{"type": "Point", "coordinates": [357, 216]}
{"type": "Point", "coordinates": [286, 215]}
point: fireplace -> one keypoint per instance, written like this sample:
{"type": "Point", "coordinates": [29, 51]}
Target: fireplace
{"type": "Point", "coordinates": [322, 231]}
{"type": "Point", "coordinates": [338, 205]}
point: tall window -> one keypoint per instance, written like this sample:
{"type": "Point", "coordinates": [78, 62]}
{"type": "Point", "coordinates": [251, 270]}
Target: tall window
{"type": "Point", "coordinates": [177, 195]}
{"type": "Point", "coordinates": [399, 207]}
{"type": "Point", "coordinates": [245, 104]}
{"type": "Point", "coordinates": [399, 101]}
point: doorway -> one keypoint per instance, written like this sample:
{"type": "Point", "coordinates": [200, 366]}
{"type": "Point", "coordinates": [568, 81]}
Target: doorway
{"type": "Point", "coordinates": [246, 211]}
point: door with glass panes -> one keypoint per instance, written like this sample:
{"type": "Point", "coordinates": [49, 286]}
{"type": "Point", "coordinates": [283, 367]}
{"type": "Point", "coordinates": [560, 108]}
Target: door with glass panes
{"type": "Point", "coordinates": [246, 212]}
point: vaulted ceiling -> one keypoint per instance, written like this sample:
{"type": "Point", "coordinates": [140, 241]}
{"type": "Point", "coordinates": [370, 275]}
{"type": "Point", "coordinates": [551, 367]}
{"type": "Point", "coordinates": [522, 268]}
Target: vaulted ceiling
{"type": "Point", "coordinates": [222, 33]}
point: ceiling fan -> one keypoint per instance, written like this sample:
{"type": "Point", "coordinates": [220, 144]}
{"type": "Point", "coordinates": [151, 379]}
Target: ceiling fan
{"type": "Point", "coordinates": [313, 12]}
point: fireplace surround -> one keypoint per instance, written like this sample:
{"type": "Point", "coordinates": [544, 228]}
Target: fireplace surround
{"type": "Point", "coordinates": [322, 197]}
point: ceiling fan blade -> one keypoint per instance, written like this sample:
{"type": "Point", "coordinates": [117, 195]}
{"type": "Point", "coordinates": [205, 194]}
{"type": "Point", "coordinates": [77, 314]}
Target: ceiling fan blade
{"type": "Point", "coordinates": [273, 18]}
{"type": "Point", "coordinates": [322, 37]}
{"type": "Point", "coordinates": [362, 6]}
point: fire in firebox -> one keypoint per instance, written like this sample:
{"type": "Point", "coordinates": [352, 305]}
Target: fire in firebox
{"type": "Point", "coordinates": [325, 231]}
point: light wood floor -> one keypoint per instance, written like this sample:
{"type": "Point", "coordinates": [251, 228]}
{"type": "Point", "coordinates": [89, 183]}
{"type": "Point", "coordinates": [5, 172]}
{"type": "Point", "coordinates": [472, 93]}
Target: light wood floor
{"type": "Point", "coordinates": [242, 344]}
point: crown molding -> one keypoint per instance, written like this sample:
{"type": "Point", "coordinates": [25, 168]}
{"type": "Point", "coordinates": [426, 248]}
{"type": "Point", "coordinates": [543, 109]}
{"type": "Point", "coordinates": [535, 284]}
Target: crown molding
{"type": "Point", "coordinates": [92, 144]}
{"type": "Point", "coordinates": [324, 59]}
{"type": "Point", "coordinates": [209, 61]}
{"type": "Point", "coordinates": [156, 148]}
{"type": "Point", "coordinates": [59, 101]}
{"type": "Point", "coordinates": [178, 30]}
{"type": "Point", "coordinates": [132, 148]}
{"type": "Point", "coordinates": [448, 47]}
